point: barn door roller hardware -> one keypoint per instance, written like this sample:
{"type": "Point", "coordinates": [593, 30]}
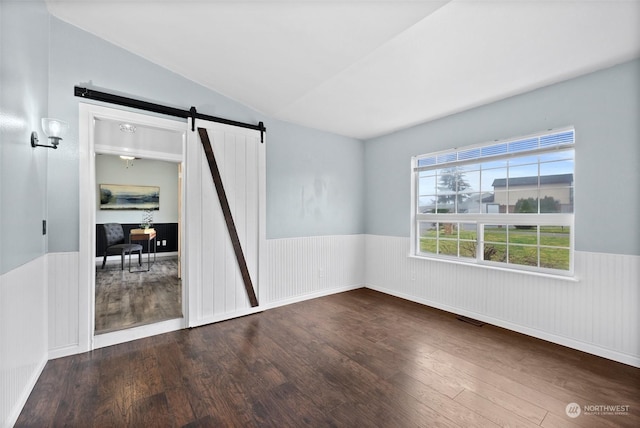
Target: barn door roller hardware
{"type": "Point", "coordinates": [159, 108]}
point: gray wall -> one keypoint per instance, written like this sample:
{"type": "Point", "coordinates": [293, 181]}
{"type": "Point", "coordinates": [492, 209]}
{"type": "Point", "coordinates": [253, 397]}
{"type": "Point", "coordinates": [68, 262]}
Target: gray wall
{"type": "Point", "coordinates": [603, 107]}
{"type": "Point", "coordinates": [24, 50]}
{"type": "Point", "coordinates": [315, 180]}
{"type": "Point", "coordinates": [79, 58]}
{"type": "Point", "coordinates": [110, 169]}
{"type": "Point", "coordinates": [315, 184]}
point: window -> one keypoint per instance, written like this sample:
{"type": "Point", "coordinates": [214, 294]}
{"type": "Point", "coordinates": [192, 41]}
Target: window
{"type": "Point", "coordinates": [507, 203]}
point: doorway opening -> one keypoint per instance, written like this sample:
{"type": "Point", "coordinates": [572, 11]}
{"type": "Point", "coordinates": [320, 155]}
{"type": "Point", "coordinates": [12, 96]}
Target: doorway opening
{"type": "Point", "coordinates": [151, 299]}
{"type": "Point", "coordinates": [139, 208]}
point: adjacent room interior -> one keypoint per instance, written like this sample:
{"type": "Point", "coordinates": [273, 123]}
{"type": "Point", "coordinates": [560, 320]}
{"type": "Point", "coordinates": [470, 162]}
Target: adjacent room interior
{"type": "Point", "coordinates": [147, 289]}
{"type": "Point", "coordinates": [137, 226]}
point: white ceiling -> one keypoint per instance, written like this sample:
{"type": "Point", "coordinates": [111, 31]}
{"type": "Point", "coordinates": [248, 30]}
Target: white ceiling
{"type": "Point", "coordinates": [366, 68]}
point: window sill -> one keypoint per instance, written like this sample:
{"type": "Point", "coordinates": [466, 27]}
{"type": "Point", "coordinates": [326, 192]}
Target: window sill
{"type": "Point", "coordinates": [568, 277]}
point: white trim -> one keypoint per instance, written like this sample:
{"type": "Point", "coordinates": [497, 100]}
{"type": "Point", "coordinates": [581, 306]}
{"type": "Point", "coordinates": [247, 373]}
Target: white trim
{"type": "Point", "coordinates": [415, 236]}
{"type": "Point", "coordinates": [64, 351]}
{"type": "Point", "coordinates": [262, 222]}
{"type": "Point", "coordinates": [485, 265]}
{"type": "Point", "coordinates": [116, 258]}
{"type": "Point", "coordinates": [549, 219]}
{"type": "Point", "coordinates": [226, 316]}
{"type": "Point", "coordinates": [135, 333]}
{"type": "Point", "coordinates": [314, 295]}
{"type": "Point", "coordinates": [88, 114]}
{"type": "Point", "coordinates": [489, 158]}
{"type": "Point", "coordinates": [146, 154]}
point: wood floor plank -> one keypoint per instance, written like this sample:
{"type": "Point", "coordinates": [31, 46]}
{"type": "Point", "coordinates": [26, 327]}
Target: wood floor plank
{"type": "Point", "coordinates": [359, 358]}
{"type": "Point", "coordinates": [351, 342]}
{"type": "Point", "coordinates": [392, 406]}
{"type": "Point", "coordinates": [251, 352]}
{"type": "Point", "coordinates": [351, 415]}
{"type": "Point", "coordinates": [293, 362]}
{"type": "Point", "coordinates": [495, 413]}
{"type": "Point", "coordinates": [446, 385]}
{"type": "Point", "coordinates": [179, 406]}
{"type": "Point", "coordinates": [518, 404]}
{"type": "Point", "coordinates": [151, 411]}
{"type": "Point", "coordinates": [442, 403]}
{"type": "Point", "coordinates": [544, 396]}
{"type": "Point", "coordinates": [553, 421]}
{"type": "Point", "coordinates": [298, 406]}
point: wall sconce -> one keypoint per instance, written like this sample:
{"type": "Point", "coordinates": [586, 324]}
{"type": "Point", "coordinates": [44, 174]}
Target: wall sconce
{"type": "Point", "coordinates": [54, 129]}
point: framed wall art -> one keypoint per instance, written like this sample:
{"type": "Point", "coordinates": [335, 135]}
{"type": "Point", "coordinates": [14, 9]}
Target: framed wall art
{"type": "Point", "coordinates": [129, 197]}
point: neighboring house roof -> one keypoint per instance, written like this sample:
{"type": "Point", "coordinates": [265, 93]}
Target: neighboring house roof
{"type": "Point", "coordinates": [532, 181]}
{"type": "Point", "coordinates": [482, 197]}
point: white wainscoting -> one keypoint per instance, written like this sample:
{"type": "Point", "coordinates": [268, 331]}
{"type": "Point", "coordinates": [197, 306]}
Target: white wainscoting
{"type": "Point", "coordinates": [599, 313]}
{"type": "Point", "coordinates": [23, 335]}
{"type": "Point", "coordinates": [296, 268]}
{"type": "Point", "coordinates": [63, 304]}
{"type": "Point", "coordinates": [309, 267]}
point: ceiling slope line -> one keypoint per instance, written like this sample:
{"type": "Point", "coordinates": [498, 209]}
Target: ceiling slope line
{"type": "Point", "coordinates": [361, 59]}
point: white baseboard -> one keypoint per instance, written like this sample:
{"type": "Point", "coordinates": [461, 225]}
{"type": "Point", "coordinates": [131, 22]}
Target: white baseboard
{"type": "Point", "coordinates": [309, 296]}
{"type": "Point", "coordinates": [122, 336]}
{"type": "Point", "coordinates": [116, 258]}
{"type": "Point", "coordinates": [65, 351]}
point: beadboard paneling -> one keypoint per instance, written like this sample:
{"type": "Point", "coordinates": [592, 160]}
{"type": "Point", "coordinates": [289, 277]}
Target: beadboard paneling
{"type": "Point", "coordinates": [598, 313]}
{"type": "Point", "coordinates": [23, 335]}
{"type": "Point", "coordinates": [301, 268]}
{"type": "Point", "coordinates": [63, 304]}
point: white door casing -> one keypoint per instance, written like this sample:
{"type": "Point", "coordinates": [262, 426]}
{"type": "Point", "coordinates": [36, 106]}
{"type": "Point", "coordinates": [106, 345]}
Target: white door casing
{"type": "Point", "coordinates": [88, 115]}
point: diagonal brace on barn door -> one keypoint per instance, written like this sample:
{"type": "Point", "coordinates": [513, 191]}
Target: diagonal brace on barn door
{"type": "Point", "coordinates": [226, 211]}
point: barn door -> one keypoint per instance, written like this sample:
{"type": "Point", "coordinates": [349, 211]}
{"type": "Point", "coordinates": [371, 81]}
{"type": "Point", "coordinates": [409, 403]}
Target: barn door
{"type": "Point", "coordinates": [224, 185]}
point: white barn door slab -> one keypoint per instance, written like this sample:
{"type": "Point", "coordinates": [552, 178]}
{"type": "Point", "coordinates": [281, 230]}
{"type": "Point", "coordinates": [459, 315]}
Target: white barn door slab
{"type": "Point", "coordinates": [216, 287]}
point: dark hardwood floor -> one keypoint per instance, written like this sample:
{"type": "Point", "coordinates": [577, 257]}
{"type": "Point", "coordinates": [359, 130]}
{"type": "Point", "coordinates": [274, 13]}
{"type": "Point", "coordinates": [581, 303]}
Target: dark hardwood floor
{"type": "Point", "coordinates": [353, 359]}
{"type": "Point", "coordinates": [129, 299]}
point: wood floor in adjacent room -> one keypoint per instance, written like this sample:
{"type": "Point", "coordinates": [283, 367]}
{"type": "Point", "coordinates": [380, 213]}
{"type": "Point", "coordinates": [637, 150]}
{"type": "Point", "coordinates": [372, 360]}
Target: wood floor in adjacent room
{"type": "Point", "coordinates": [354, 359]}
{"type": "Point", "coordinates": [130, 299]}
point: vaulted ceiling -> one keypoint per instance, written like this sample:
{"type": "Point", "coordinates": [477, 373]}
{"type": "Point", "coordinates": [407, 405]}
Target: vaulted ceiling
{"type": "Point", "coordinates": [366, 68]}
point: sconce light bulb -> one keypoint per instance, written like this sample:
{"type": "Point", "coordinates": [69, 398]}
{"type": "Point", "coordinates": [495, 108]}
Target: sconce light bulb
{"type": "Point", "coordinates": [54, 128]}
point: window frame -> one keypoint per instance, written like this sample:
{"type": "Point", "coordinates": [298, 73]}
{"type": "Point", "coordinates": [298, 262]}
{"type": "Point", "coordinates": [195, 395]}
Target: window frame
{"type": "Point", "coordinates": [481, 220]}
